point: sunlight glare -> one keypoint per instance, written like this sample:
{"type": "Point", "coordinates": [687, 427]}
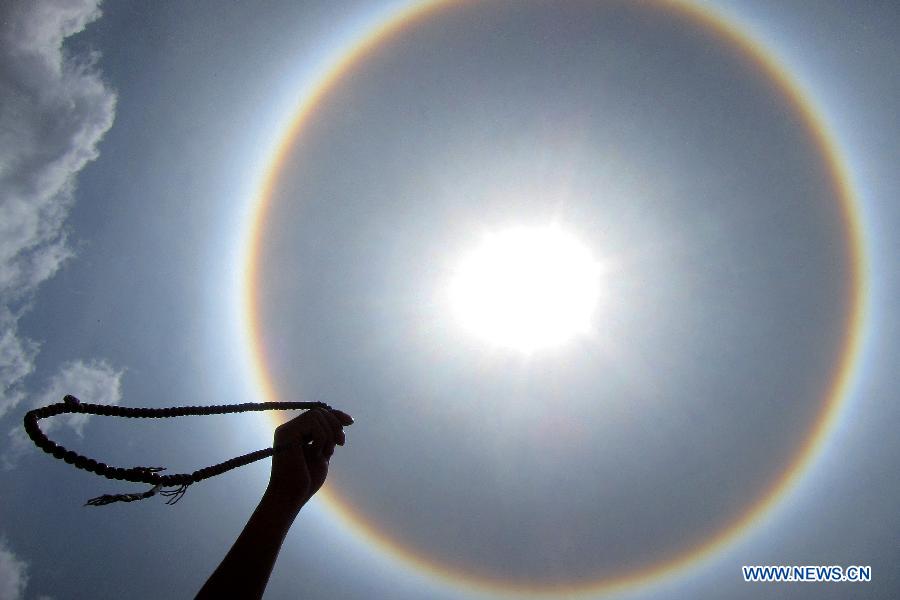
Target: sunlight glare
{"type": "Point", "coordinates": [526, 288]}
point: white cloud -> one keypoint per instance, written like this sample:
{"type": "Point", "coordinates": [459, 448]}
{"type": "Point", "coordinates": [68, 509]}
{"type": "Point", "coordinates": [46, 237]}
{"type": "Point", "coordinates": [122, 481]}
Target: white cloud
{"type": "Point", "coordinates": [13, 574]}
{"type": "Point", "coordinates": [16, 361]}
{"type": "Point", "coordinates": [95, 381]}
{"type": "Point", "coordinates": [54, 108]}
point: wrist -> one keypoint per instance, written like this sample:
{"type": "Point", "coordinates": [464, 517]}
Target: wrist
{"type": "Point", "coordinates": [277, 502]}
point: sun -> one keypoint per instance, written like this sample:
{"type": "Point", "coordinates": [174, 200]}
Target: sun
{"type": "Point", "coordinates": [526, 288]}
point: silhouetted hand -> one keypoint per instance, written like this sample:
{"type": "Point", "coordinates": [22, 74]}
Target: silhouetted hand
{"type": "Point", "coordinates": [299, 471]}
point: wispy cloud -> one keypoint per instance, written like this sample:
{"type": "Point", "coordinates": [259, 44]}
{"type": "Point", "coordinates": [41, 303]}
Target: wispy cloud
{"type": "Point", "coordinates": [95, 381]}
{"type": "Point", "coordinates": [13, 574]}
{"type": "Point", "coordinates": [54, 110]}
{"type": "Point", "coordinates": [16, 361]}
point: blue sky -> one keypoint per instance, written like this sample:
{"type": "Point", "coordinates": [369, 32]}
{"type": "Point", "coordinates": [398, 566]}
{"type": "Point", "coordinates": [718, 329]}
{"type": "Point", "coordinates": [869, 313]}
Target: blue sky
{"type": "Point", "coordinates": [133, 139]}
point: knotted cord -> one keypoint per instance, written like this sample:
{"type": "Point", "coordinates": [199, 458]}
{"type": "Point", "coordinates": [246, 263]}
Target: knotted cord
{"type": "Point", "coordinates": [171, 486]}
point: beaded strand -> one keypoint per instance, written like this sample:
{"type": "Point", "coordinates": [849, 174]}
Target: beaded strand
{"type": "Point", "coordinates": [149, 475]}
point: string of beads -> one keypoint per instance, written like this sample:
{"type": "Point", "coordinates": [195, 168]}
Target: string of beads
{"type": "Point", "coordinates": [149, 475]}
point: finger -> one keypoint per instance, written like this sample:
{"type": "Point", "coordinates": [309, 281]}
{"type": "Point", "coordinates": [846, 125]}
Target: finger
{"type": "Point", "coordinates": [331, 435]}
{"type": "Point", "coordinates": [289, 432]}
{"type": "Point", "coordinates": [327, 447]}
{"type": "Point", "coordinates": [336, 427]}
{"type": "Point", "coordinates": [296, 428]}
{"type": "Point", "coordinates": [343, 417]}
{"type": "Point", "coordinates": [314, 432]}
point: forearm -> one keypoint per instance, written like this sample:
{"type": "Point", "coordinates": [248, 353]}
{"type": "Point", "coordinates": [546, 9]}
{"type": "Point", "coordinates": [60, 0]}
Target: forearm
{"type": "Point", "coordinates": [245, 570]}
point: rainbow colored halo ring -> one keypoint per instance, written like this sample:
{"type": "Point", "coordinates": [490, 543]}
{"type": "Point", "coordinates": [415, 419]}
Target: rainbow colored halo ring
{"type": "Point", "coordinates": [841, 377]}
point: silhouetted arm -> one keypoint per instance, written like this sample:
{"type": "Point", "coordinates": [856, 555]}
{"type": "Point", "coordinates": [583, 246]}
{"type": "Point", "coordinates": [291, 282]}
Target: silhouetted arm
{"type": "Point", "coordinates": [297, 474]}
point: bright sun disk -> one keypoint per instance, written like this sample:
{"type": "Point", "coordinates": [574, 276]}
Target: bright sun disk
{"type": "Point", "coordinates": [526, 288]}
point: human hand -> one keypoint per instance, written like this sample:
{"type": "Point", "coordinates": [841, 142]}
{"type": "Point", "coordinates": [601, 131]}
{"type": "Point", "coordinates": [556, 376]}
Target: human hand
{"type": "Point", "coordinates": [300, 470]}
